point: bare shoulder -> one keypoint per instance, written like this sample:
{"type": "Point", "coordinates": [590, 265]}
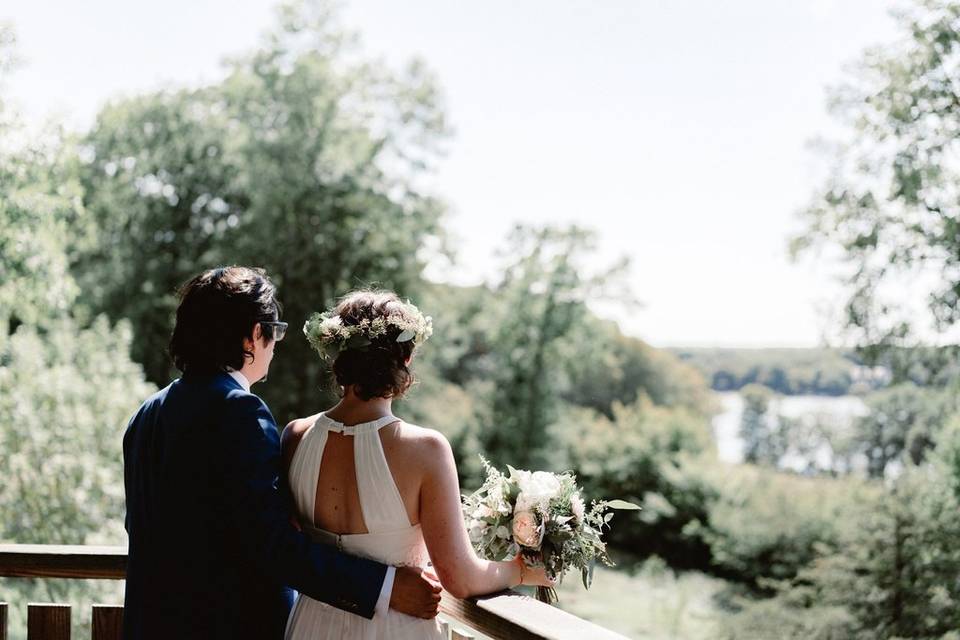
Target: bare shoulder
{"type": "Point", "coordinates": [293, 432]}
{"type": "Point", "coordinates": [428, 446]}
{"type": "Point", "coordinates": [421, 435]}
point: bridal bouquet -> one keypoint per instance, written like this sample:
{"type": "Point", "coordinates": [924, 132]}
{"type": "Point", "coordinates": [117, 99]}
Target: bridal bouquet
{"type": "Point", "coordinates": [542, 516]}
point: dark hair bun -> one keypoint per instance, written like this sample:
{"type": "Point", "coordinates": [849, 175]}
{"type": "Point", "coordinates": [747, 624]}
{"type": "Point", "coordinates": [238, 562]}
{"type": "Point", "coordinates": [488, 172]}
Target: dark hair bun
{"type": "Point", "coordinates": [378, 370]}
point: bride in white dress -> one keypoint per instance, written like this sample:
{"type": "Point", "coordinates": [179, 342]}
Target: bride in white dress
{"type": "Point", "coordinates": [375, 485]}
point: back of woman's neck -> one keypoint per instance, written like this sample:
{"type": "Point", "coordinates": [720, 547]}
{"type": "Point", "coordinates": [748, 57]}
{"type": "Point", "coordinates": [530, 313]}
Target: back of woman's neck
{"type": "Point", "coordinates": [354, 410]}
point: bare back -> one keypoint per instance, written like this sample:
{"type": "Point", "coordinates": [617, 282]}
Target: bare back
{"type": "Point", "coordinates": [337, 507]}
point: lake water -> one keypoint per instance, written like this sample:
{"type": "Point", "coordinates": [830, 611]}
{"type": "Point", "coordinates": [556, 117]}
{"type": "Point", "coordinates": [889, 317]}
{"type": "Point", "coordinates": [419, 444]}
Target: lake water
{"type": "Point", "coordinates": [837, 413]}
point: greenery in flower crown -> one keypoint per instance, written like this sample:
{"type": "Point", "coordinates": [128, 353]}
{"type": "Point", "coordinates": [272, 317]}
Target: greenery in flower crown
{"type": "Point", "coordinates": [329, 334]}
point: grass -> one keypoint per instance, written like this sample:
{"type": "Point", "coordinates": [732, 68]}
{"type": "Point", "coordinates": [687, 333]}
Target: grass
{"type": "Point", "coordinates": [648, 600]}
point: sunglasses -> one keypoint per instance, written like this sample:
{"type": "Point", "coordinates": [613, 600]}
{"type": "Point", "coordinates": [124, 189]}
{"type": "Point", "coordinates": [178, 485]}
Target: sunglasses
{"type": "Point", "coordinates": [274, 330]}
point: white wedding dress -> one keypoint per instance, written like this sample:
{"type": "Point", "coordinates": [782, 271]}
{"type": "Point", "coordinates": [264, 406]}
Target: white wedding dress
{"type": "Point", "coordinates": [391, 538]}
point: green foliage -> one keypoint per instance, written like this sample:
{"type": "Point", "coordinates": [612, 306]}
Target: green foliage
{"type": "Point", "coordinates": [461, 350]}
{"type": "Point", "coordinates": [896, 572]}
{"type": "Point", "coordinates": [604, 367]}
{"type": "Point", "coordinates": [649, 600]}
{"type": "Point", "coordinates": [774, 618]}
{"type": "Point", "coordinates": [902, 425]}
{"type": "Point", "coordinates": [764, 436]}
{"type": "Point", "coordinates": [638, 455]}
{"type": "Point", "coordinates": [947, 454]}
{"type": "Point", "coordinates": [66, 394]}
{"type": "Point", "coordinates": [541, 298]}
{"type": "Point", "coordinates": [923, 365]}
{"type": "Point", "coordinates": [788, 371]}
{"type": "Point", "coordinates": [39, 206]}
{"type": "Point", "coordinates": [593, 366]}
{"type": "Point", "coordinates": [63, 388]}
{"type": "Point", "coordinates": [891, 570]}
{"type": "Point", "coordinates": [767, 525]}
{"type": "Point", "coordinates": [451, 409]}
{"type": "Point", "coordinates": [305, 160]}
{"type": "Point", "coordinates": [67, 388]}
{"type": "Point", "coordinates": [889, 202]}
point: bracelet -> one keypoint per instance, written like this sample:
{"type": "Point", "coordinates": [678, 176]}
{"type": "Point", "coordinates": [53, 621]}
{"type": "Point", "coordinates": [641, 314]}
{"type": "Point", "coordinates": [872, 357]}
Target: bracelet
{"type": "Point", "coordinates": [523, 566]}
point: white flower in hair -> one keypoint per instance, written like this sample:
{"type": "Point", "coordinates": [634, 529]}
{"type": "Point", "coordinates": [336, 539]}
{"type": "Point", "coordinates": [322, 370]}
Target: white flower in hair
{"type": "Point", "coordinates": [329, 334]}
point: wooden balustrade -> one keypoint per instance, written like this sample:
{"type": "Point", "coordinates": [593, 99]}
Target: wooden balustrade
{"type": "Point", "coordinates": [507, 614]}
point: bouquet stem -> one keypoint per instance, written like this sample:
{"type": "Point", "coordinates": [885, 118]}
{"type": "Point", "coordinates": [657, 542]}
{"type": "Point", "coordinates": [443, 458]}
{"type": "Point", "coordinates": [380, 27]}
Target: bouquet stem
{"type": "Point", "coordinates": [547, 594]}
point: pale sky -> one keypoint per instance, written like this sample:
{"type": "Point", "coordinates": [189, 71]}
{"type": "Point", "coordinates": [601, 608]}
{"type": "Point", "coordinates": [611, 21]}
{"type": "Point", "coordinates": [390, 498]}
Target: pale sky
{"type": "Point", "coordinates": [677, 129]}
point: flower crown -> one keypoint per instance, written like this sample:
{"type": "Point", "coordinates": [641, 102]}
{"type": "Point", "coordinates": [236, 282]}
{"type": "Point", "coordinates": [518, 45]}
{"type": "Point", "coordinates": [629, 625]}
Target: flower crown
{"type": "Point", "coordinates": [329, 335]}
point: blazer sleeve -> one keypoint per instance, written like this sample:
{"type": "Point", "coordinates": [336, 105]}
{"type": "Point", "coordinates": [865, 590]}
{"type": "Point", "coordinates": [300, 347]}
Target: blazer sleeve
{"type": "Point", "coordinates": [260, 516]}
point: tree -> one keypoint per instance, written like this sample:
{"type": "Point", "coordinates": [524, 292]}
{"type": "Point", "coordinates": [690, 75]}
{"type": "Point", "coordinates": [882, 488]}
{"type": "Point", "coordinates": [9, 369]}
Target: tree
{"type": "Point", "coordinates": [643, 453]}
{"type": "Point", "coordinates": [764, 436]}
{"type": "Point", "coordinates": [902, 425]}
{"type": "Point", "coordinates": [890, 570]}
{"type": "Point", "coordinates": [306, 159]}
{"type": "Point", "coordinates": [602, 366]}
{"type": "Point", "coordinates": [67, 388]}
{"type": "Point", "coordinates": [890, 202]}
{"type": "Point", "coordinates": [543, 297]}
{"type": "Point", "coordinates": [897, 573]}
{"type": "Point", "coordinates": [38, 201]}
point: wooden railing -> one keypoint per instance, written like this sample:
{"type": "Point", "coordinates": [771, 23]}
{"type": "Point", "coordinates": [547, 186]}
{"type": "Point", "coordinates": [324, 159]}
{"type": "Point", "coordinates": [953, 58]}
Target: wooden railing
{"type": "Point", "coordinates": [504, 615]}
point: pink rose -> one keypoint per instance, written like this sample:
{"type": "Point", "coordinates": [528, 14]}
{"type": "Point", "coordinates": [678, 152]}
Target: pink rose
{"type": "Point", "coordinates": [526, 531]}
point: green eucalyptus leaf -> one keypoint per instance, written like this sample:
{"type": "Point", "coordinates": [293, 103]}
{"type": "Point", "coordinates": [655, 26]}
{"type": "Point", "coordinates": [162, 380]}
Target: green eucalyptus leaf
{"type": "Point", "coordinates": [331, 350]}
{"type": "Point", "coordinates": [358, 342]}
{"type": "Point", "coordinates": [623, 504]}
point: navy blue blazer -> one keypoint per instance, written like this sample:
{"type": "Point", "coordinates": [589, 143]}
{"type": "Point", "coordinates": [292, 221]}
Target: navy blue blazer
{"type": "Point", "coordinates": [212, 552]}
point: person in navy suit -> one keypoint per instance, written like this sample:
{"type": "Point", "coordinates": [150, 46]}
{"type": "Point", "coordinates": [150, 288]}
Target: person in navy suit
{"type": "Point", "coordinates": [213, 553]}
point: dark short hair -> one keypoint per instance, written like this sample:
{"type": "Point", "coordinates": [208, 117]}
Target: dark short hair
{"type": "Point", "coordinates": [379, 370]}
{"type": "Point", "coordinates": [218, 309]}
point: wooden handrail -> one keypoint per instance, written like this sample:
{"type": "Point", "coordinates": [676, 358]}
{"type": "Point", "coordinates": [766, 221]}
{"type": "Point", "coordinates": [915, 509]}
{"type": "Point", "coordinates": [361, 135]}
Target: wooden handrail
{"type": "Point", "coordinates": [507, 614]}
{"type": "Point", "coordinates": [62, 561]}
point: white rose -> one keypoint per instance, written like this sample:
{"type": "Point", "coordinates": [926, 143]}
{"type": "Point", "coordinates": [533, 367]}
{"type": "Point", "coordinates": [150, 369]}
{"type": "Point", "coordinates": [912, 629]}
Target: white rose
{"type": "Point", "coordinates": [526, 531]}
{"type": "Point", "coordinates": [536, 490]}
{"type": "Point", "coordinates": [576, 505]}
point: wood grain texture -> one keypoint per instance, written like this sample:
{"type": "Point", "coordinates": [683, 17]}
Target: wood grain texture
{"type": "Point", "coordinates": [107, 622]}
{"type": "Point", "coordinates": [47, 621]}
{"type": "Point", "coordinates": [509, 614]}
{"type": "Point", "coordinates": [62, 561]}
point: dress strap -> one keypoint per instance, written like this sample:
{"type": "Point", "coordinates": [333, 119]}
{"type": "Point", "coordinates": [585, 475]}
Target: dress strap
{"type": "Point", "coordinates": [380, 500]}
{"type": "Point", "coordinates": [304, 470]}
{"type": "Point", "coordinates": [331, 425]}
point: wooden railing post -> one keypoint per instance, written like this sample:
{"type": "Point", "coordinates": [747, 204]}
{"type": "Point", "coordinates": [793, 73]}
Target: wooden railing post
{"type": "Point", "coordinates": [48, 621]}
{"type": "Point", "coordinates": [3, 621]}
{"type": "Point", "coordinates": [107, 622]}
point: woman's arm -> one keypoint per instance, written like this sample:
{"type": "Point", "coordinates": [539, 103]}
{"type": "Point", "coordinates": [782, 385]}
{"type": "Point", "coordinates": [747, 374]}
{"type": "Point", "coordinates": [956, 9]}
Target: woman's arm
{"type": "Point", "coordinates": [461, 572]}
